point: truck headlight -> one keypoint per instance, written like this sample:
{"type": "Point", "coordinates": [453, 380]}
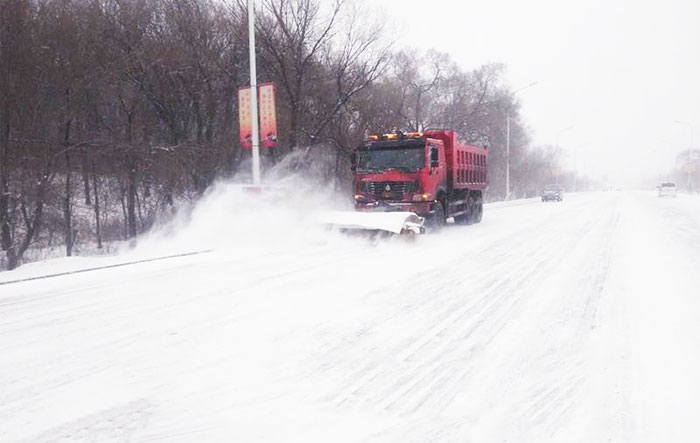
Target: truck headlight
{"type": "Point", "coordinates": [421, 197]}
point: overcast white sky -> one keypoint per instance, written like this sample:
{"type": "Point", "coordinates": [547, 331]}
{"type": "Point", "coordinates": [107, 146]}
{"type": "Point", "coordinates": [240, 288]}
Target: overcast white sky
{"type": "Point", "coordinates": [621, 72]}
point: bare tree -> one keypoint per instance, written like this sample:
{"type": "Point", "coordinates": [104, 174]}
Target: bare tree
{"type": "Point", "coordinates": [137, 98]}
{"type": "Point", "coordinates": [292, 36]}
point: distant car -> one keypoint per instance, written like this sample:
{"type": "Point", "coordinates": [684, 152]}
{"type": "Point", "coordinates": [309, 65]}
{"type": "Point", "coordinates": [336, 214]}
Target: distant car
{"type": "Point", "coordinates": [667, 189]}
{"type": "Point", "coordinates": [552, 192]}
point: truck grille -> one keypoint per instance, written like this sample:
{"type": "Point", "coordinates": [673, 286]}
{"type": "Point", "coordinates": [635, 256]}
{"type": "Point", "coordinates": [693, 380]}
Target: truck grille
{"type": "Point", "coordinates": [389, 190]}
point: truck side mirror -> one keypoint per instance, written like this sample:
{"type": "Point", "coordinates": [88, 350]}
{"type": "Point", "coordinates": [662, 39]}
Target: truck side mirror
{"type": "Point", "coordinates": [353, 161]}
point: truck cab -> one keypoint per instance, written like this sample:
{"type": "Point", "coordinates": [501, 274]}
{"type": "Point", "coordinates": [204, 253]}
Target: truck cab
{"type": "Point", "coordinates": [421, 172]}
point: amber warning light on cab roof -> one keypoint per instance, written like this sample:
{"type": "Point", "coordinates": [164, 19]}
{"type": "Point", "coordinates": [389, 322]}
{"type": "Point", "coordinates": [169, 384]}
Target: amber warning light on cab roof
{"type": "Point", "coordinates": [395, 136]}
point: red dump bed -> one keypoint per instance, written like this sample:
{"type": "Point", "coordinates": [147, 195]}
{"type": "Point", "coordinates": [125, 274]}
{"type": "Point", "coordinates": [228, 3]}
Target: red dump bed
{"type": "Point", "coordinates": [466, 164]}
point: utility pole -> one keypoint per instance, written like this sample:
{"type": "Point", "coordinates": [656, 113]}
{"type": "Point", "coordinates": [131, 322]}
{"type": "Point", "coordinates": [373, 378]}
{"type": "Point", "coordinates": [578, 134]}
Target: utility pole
{"type": "Point", "coordinates": [690, 148]}
{"type": "Point", "coordinates": [512, 94]}
{"type": "Point", "coordinates": [557, 145]}
{"type": "Point", "coordinates": [253, 94]}
{"type": "Point", "coordinates": [508, 154]}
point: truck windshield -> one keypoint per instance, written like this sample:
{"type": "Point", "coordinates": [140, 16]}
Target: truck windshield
{"type": "Point", "coordinates": [404, 158]}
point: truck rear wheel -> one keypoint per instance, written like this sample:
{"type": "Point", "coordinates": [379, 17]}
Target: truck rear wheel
{"type": "Point", "coordinates": [476, 210]}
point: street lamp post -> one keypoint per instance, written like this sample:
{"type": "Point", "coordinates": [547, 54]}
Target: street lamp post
{"type": "Point", "coordinates": [575, 168]}
{"type": "Point", "coordinates": [690, 126]}
{"type": "Point", "coordinates": [512, 94]}
{"type": "Point", "coordinates": [508, 154]}
{"type": "Point", "coordinates": [253, 94]}
{"type": "Point", "coordinates": [576, 163]}
{"type": "Point", "coordinates": [557, 145]}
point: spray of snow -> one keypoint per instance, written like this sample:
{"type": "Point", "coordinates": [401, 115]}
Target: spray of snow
{"type": "Point", "coordinates": [286, 215]}
{"type": "Point", "coordinates": [281, 214]}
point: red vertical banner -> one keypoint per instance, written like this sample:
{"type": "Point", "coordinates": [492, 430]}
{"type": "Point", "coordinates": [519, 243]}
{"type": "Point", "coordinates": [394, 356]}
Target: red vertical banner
{"type": "Point", "coordinates": [245, 123]}
{"type": "Point", "coordinates": [268, 115]}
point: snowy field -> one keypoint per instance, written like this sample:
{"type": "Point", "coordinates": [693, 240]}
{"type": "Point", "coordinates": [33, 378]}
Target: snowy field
{"type": "Point", "coordinates": [572, 322]}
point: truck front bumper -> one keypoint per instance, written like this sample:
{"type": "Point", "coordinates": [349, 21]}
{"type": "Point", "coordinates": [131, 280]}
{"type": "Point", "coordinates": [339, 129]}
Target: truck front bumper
{"type": "Point", "coordinates": [420, 208]}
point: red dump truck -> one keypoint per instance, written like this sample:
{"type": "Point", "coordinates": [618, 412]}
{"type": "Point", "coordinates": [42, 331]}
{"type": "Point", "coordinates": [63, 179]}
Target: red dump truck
{"type": "Point", "coordinates": [430, 173]}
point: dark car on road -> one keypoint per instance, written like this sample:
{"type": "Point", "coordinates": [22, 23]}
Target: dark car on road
{"type": "Point", "coordinates": [552, 193]}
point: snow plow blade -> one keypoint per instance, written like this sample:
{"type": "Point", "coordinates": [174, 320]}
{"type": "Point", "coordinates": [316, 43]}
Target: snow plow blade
{"type": "Point", "coordinates": [396, 223]}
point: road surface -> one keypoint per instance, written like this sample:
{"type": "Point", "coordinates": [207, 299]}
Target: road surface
{"type": "Point", "coordinates": [572, 321]}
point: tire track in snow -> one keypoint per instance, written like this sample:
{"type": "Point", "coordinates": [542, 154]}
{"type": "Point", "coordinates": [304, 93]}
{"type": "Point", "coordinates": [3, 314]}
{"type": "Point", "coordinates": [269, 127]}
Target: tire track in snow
{"type": "Point", "coordinates": [437, 365]}
{"type": "Point", "coordinates": [116, 424]}
{"type": "Point", "coordinates": [551, 398]}
{"type": "Point", "coordinates": [461, 332]}
{"type": "Point", "coordinates": [19, 393]}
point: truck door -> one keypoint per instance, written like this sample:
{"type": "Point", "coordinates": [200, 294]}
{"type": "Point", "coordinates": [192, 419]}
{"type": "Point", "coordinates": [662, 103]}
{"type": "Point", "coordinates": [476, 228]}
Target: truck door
{"type": "Point", "coordinates": [433, 157]}
{"type": "Point", "coordinates": [436, 165]}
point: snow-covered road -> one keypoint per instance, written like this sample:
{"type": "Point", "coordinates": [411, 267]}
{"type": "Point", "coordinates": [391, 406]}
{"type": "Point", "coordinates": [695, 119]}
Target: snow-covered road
{"type": "Point", "coordinates": [572, 321]}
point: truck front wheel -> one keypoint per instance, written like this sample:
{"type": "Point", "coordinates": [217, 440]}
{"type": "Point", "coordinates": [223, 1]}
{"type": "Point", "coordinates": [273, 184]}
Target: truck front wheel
{"type": "Point", "coordinates": [437, 220]}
